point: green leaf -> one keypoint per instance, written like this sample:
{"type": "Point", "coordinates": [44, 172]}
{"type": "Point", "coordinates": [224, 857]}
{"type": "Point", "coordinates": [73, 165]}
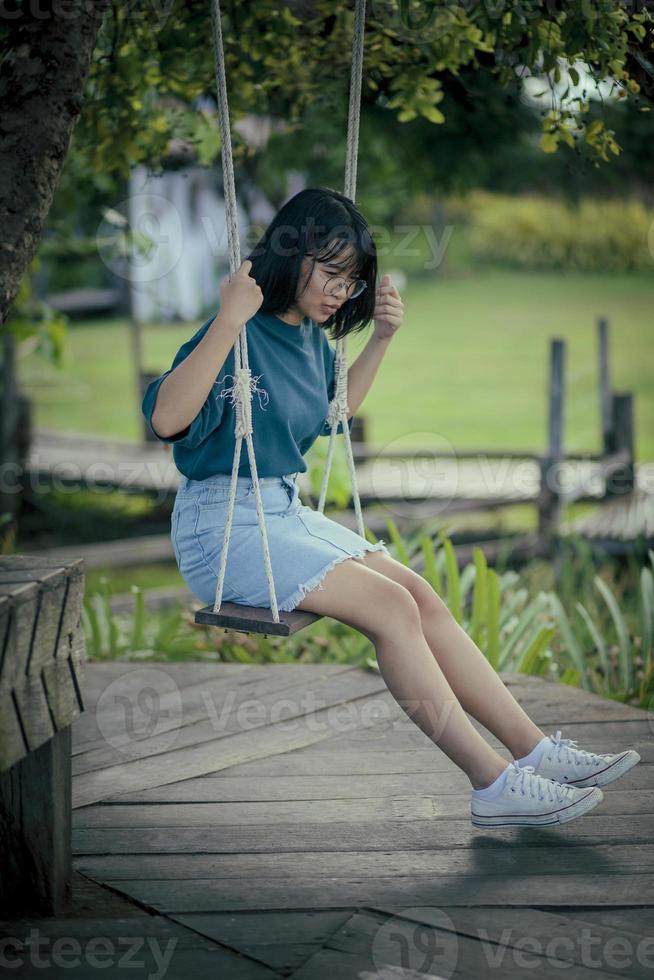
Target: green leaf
{"type": "Point", "coordinates": [624, 642]}
{"type": "Point", "coordinates": [137, 639]}
{"type": "Point", "coordinates": [567, 136]}
{"type": "Point", "coordinates": [430, 567]}
{"type": "Point", "coordinates": [433, 114]}
{"type": "Point", "coordinates": [511, 642]}
{"type": "Point", "coordinates": [396, 538]}
{"type": "Point", "coordinates": [593, 129]}
{"type": "Point", "coordinates": [479, 597]}
{"type": "Point", "coordinates": [570, 676]}
{"type": "Point", "coordinates": [493, 617]}
{"type": "Point", "coordinates": [598, 640]}
{"type": "Point", "coordinates": [571, 645]}
{"type": "Point", "coordinates": [647, 607]}
{"type": "Point", "coordinates": [92, 632]}
{"type": "Point", "coordinates": [549, 142]}
{"type": "Point", "coordinates": [453, 581]}
{"type": "Point", "coordinates": [531, 660]}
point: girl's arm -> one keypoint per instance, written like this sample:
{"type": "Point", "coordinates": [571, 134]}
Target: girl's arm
{"type": "Point", "coordinates": [388, 316]}
{"type": "Point", "coordinates": [184, 391]}
{"type": "Point", "coordinates": [361, 374]}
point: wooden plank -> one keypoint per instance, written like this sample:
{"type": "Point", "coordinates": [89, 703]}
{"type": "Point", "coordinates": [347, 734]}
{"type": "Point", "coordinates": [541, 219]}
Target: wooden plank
{"type": "Point", "coordinates": [373, 945]}
{"type": "Point", "coordinates": [591, 830]}
{"type": "Point", "coordinates": [185, 673]}
{"type": "Point", "coordinates": [40, 675]}
{"type": "Point", "coordinates": [572, 699]}
{"type": "Point", "coordinates": [23, 598]}
{"type": "Point", "coordinates": [32, 709]}
{"type": "Point", "coordinates": [13, 739]}
{"type": "Point", "coordinates": [436, 806]}
{"type": "Point", "coordinates": [569, 936]}
{"type": "Point", "coordinates": [189, 677]}
{"type": "Point", "coordinates": [43, 603]}
{"type": "Point", "coordinates": [216, 699]}
{"type": "Point", "coordinates": [214, 788]}
{"type": "Point", "coordinates": [609, 860]}
{"type": "Point", "coordinates": [217, 709]}
{"type": "Point", "coordinates": [126, 552]}
{"type": "Point", "coordinates": [125, 465]}
{"type": "Point", "coordinates": [255, 619]}
{"type": "Point", "coordinates": [35, 830]}
{"type": "Point", "coordinates": [634, 922]}
{"type": "Point", "coordinates": [314, 760]}
{"type": "Point", "coordinates": [87, 735]}
{"type": "Point", "coordinates": [201, 757]}
{"type": "Point", "coordinates": [45, 562]}
{"type": "Point", "coordinates": [38, 705]}
{"type": "Point", "coordinates": [224, 814]}
{"type": "Point", "coordinates": [281, 940]}
{"type": "Point", "coordinates": [292, 893]}
{"type": "Point", "coordinates": [74, 571]}
{"type": "Point", "coordinates": [52, 587]}
{"type": "Point", "coordinates": [63, 680]}
{"type": "Point", "coordinates": [403, 734]}
{"type": "Point", "coordinates": [152, 946]}
{"type": "Point", "coordinates": [5, 606]}
{"type": "Point", "coordinates": [540, 924]}
{"type": "Point", "coordinates": [274, 788]}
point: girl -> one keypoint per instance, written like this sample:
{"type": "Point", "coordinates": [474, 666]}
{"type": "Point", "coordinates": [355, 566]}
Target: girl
{"type": "Point", "coordinates": [314, 268]}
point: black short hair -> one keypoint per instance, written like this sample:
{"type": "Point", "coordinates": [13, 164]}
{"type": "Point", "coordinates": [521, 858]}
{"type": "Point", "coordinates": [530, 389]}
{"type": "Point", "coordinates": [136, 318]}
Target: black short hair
{"type": "Point", "coordinates": [318, 223]}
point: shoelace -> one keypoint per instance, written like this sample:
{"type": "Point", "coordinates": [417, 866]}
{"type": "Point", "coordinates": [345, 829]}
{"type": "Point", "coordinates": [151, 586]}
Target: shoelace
{"type": "Point", "coordinates": [533, 785]}
{"type": "Point", "coordinates": [578, 756]}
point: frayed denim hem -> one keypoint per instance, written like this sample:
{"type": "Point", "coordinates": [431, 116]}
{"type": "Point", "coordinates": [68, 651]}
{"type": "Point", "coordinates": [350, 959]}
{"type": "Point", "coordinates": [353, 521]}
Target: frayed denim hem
{"type": "Point", "coordinates": [316, 580]}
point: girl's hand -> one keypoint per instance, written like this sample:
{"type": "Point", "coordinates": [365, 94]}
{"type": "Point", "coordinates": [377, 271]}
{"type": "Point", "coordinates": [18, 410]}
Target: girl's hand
{"type": "Point", "coordinates": [240, 296]}
{"type": "Point", "coordinates": [389, 310]}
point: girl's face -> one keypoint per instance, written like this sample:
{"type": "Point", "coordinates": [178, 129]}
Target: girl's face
{"type": "Point", "coordinates": [313, 301]}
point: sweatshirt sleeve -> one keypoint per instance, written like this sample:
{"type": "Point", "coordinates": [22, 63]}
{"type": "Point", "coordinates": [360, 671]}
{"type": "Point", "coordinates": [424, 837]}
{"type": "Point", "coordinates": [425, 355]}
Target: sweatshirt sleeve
{"type": "Point", "coordinates": [208, 418]}
{"type": "Point", "coordinates": [330, 370]}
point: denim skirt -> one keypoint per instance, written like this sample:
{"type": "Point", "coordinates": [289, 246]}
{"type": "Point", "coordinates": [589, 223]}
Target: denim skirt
{"type": "Point", "coordinates": [303, 543]}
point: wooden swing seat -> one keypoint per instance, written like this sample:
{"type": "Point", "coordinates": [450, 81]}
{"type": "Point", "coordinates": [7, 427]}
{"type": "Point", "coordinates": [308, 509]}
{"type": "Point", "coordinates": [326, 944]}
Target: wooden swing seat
{"type": "Point", "coordinates": [255, 619]}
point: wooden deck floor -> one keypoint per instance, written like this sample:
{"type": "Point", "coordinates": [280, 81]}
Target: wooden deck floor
{"type": "Point", "coordinates": [252, 822]}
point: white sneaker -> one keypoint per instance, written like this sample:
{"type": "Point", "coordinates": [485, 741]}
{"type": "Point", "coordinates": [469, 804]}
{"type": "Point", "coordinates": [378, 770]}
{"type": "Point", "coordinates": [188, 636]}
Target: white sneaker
{"type": "Point", "coordinates": [577, 767]}
{"type": "Point", "coordinates": [528, 800]}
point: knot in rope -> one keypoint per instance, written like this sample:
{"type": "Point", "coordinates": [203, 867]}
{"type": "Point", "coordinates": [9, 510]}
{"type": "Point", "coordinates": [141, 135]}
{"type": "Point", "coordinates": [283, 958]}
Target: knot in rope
{"type": "Point", "coordinates": [335, 411]}
{"type": "Point", "coordinates": [241, 393]}
{"type": "Point", "coordinates": [338, 405]}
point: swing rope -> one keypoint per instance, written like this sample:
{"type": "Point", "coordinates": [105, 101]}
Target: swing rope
{"type": "Point", "coordinates": [244, 385]}
{"type": "Point", "coordinates": [338, 407]}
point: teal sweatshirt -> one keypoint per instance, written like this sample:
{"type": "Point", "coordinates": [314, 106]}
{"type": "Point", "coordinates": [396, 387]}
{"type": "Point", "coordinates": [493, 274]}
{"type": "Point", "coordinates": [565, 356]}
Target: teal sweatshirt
{"type": "Point", "coordinates": [294, 369]}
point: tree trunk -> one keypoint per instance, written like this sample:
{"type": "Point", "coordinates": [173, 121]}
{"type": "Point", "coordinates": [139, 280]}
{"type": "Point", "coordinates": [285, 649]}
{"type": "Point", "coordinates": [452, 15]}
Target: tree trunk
{"type": "Point", "coordinates": [47, 57]}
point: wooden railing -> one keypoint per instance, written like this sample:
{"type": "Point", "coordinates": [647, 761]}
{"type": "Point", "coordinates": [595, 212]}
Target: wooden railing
{"type": "Point", "coordinates": [41, 671]}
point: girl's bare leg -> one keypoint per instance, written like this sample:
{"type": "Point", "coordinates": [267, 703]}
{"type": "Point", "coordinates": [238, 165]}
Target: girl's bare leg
{"type": "Point", "coordinates": [417, 682]}
{"type": "Point", "coordinates": [477, 685]}
{"type": "Point", "coordinates": [388, 614]}
{"type": "Point", "coordinates": [480, 689]}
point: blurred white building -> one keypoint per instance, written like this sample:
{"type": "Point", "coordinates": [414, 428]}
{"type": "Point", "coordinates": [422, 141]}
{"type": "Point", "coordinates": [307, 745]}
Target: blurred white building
{"type": "Point", "coordinates": [184, 216]}
{"type": "Point", "coordinates": [182, 212]}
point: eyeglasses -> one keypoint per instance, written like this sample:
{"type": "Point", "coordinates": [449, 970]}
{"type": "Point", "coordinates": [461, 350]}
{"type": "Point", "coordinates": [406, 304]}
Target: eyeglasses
{"type": "Point", "coordinates": [335, 283]}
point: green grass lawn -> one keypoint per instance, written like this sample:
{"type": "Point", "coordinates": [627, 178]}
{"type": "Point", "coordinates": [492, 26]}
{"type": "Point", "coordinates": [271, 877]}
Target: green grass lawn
{"type": "Point", "coordinates": [468, 368]}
